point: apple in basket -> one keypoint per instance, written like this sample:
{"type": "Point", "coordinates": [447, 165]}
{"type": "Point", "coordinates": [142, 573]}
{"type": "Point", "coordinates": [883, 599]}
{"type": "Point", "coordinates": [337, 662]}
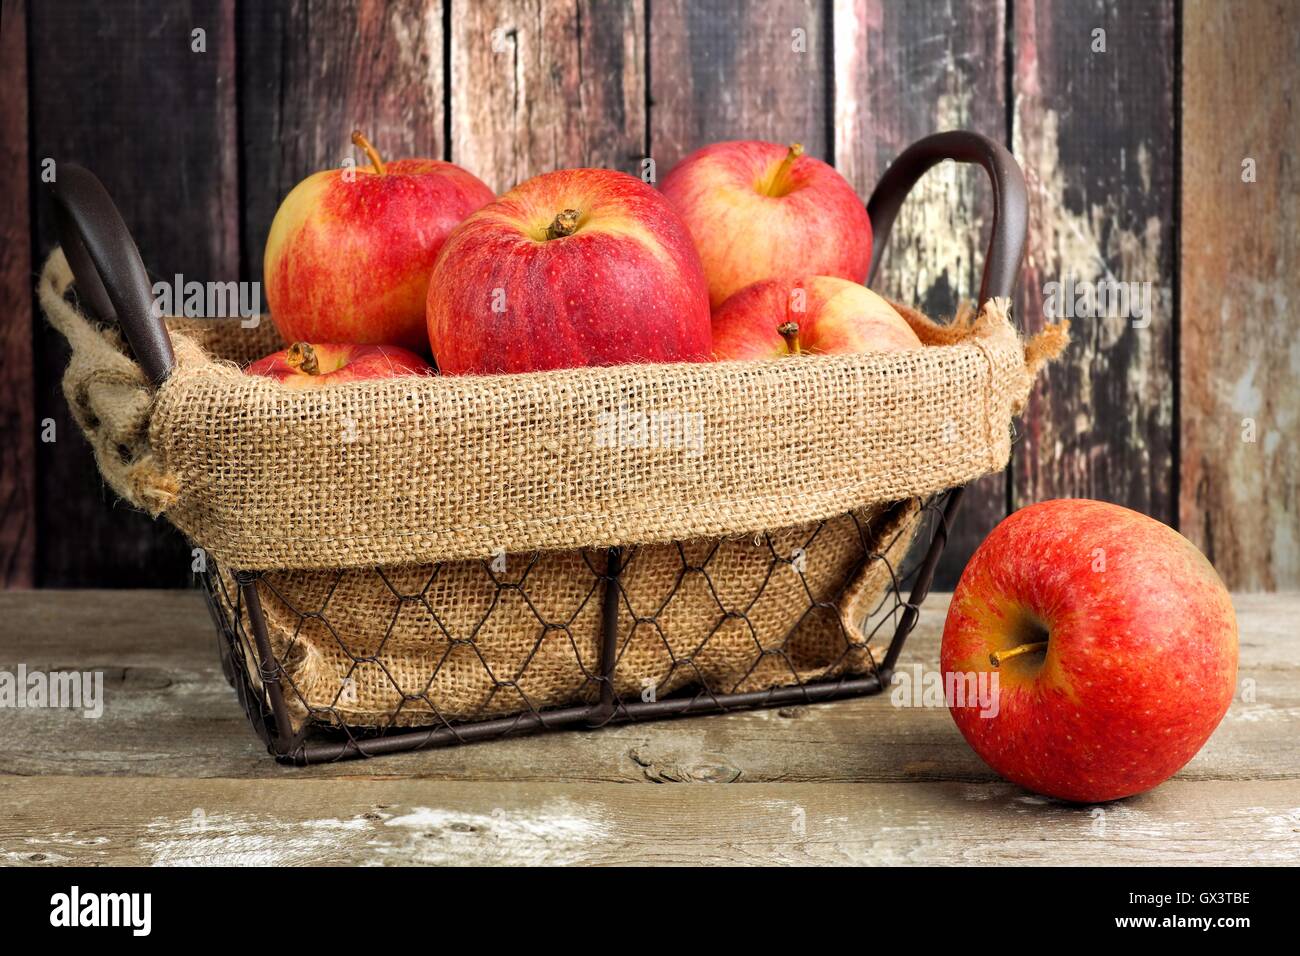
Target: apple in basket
{"type": "Point", "coordinates": [810, 314]}
{"type": "Point", "coordinates": [350, 250]}
{"type": "Point", "coordinates": [572, 268]}
{"type": "Point", "coordinates": [302, 365]}
{"type": "Point", "coordinates": [764, 211]}
{"type": "Point", "coordinates": [1113, 641]}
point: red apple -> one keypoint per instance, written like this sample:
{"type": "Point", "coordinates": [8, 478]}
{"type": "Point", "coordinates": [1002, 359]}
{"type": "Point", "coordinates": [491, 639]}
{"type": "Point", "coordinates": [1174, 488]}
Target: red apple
{"type": "Point", "coordinates": [1114, 645]}
{"type": "Point", "coordinates": [314, 366]}
{"type": "Point", "coordinates": [571, 268]}
{"type": "Point", "coordinates": [811, 314]}
{"type": "Point", "coordinates": [350, 251]}
{"type": "Point", "coordinates": [763, 211]}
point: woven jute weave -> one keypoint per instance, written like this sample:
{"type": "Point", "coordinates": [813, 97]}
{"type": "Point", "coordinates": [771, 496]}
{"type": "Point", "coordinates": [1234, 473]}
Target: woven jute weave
{"type": "Point", "coordinates": [711, 475]}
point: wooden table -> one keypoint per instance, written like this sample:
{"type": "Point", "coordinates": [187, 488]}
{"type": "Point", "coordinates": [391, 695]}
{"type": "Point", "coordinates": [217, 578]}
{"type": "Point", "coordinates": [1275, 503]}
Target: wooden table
{"type": "Point", "coordinates": [171, 773]}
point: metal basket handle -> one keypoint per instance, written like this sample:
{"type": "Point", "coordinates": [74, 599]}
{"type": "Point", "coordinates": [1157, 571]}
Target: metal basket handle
{"type": "Point", "coordinates": [1010, 202]}
{"type": "Point", "coordinates": [110, 276]}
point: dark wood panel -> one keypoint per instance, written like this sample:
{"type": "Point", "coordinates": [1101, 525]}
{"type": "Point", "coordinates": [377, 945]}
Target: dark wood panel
{"type": "Point", "coordinates": [1240, 272]}
{"type": "Point", "coordinates": [724, 70]}
{"type": "Point", "coordinates": [903, 71]}
{"type": "Point", "coordinates": [17, 386]}
{"type": "Point", "coordinates": [122, 89]}
{"type": "Point", "coordinates": [311, 71]}
{"type": "Point", "coordinates": [541, 85]}
{"type": "Point", "coordinates": [1094, 130]}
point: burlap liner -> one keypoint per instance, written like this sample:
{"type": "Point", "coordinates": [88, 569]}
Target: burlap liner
{"type": "Point", "coordinates": [417, 470]}
{"type": "Point", "coordinates": [413, 646]}
{"type": "Point", "coordinates": [758, 553]}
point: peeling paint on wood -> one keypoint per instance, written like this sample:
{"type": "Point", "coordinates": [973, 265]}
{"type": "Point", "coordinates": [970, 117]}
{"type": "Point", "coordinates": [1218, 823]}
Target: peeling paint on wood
{"type": "Point", "coordinates": [1240, 342]}
{"type": "Point", "coordinates": [1094, 131]}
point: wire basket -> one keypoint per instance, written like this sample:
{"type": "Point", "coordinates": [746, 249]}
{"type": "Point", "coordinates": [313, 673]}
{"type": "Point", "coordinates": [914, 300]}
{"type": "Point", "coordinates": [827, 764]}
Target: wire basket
{"type": "Point", "coordinates": [332, 663]}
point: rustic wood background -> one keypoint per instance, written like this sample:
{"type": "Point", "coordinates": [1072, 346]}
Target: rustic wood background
{"type": "Point", "coordinates": [1134, 157]}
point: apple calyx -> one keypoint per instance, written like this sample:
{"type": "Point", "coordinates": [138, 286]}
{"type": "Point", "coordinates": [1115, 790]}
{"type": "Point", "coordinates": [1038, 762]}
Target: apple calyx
{"type": "Point", "coordinates": [302, 357]}
{"type": "Point", "coordinates": [998, 658]}
{"type": "Point", "coordinates": [565, 224]}
{"type": "Point", "coordinates": [779, 185]}
{"type": "Point", "coordinates": [790, 332]}
{"type": "Point", "coordinates": [359, 140]}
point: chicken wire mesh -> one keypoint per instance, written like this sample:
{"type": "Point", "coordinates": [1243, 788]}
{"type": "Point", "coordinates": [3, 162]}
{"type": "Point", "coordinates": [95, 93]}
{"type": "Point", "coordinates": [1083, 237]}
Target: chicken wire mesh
{"type": "Point", "coordinates": [339, 664]}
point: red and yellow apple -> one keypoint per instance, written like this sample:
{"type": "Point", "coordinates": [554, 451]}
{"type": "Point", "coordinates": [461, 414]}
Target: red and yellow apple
{"type": "Point", "coordinates": [571, 268]}
{"type": "Point", "coordinates": [1114, 644]}
{"type": "Point", "coordinates": [303, 365]}
{"type": "Point", "coordinates": [764, 211]}
{"type": "Point", "coordinates": [809, 314]}
{"type": "Point", "coordinates": [350, 250]}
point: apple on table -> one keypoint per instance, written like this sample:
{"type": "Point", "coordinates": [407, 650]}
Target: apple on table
{"type": "Point", "coordinates": [350, 250]}
{"type": "Point", "coordinates": [571, 268]}
{"type": "Point", "coordinates": [1114, 643]}
{"type": "Point", "coordinates": [810, 314]}
{"type": "Point", "coordinates": [760, 210]}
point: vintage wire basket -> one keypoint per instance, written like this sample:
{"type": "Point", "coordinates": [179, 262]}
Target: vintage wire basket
{"type": "Point", "coordinates": [362, 661]}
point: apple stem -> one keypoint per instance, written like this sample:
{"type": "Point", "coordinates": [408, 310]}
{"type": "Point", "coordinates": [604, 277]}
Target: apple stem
{"type": "Point", "coordinates": [565, 224]}
{"type": "Point", "coordinates": [302, 357]}
{"type": "Point", "coordinates": [359, 140]}
{"type": "Point", "coordinates": [998, 658]}
{"type": "Point", "coordinates": [777, 185]}
{"type": "Point", "coordinates": [790, 332]}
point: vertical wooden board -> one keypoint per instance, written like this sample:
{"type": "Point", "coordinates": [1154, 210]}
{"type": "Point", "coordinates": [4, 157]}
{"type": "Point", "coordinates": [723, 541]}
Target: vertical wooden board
{"type": "Point", "coordinates": [903, 71]}
{"type": "Point", "coordinates": [17, 390]}
{"type": "Point", "coordinates": [1240, 273]}
{"type": "Point", "coordinates": [122, 89]}
{"type": "Point", "coordinates": [538, 85]}
{"type": "Point", "coordinates": [1095, 133]}
{"type": "Point", "coordinates": [310, 72]}
{"type": "Point", "coordinates": [724, 70]}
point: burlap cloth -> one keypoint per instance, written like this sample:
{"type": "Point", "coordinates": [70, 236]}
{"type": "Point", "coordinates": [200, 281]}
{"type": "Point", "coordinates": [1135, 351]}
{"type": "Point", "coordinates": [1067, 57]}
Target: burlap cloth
{"type": "Point", "coordinates": [433, 546]}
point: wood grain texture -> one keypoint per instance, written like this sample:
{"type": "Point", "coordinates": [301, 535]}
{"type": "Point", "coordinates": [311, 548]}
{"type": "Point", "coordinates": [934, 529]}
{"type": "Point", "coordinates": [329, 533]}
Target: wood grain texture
{"type": "Point", "coordinates": [1240, 337]}
{"type": "Point", "coordinates": [311, 71]}
{"type": "Point", "coordinates": [1094, 132]}
{"type": "Point", "coordinates": [547, 84]}
{"type": "Point", "coordinates": [121, 89]}
{"type": "Point", "coordinates": [80, 822]}
{"type": "Point", "coordinates": [723, 70]}
{"type": "Point", "coordinates": [903, 71]}
{"type": "Point", "coordinates": [169, 713]}
{"type": "Point", "coordinates": [17, 382]}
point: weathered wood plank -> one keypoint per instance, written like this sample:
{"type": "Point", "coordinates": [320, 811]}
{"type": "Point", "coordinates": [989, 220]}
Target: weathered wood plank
{"type": "Point", "coordinates": [724, 70]}
{"type": "Point", "coordinates": [79, 821]}
{"type": "Point", "coordinates": [540, 85]}
{"type": "Point", "coordinates": [1094, 130]}
{"type": "Point", "coordinates": [148, 104]}
{"type": "Point", "coordinates": [903, 71]}
{"type": "Point", "coordinates": [169, 712]}
{"type": "Point", "coordinates": [310, 72]}
{"type": "Point", "coordinates": [17, 381]}
{"type": "Point", "coordinates": [1240, 275]}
